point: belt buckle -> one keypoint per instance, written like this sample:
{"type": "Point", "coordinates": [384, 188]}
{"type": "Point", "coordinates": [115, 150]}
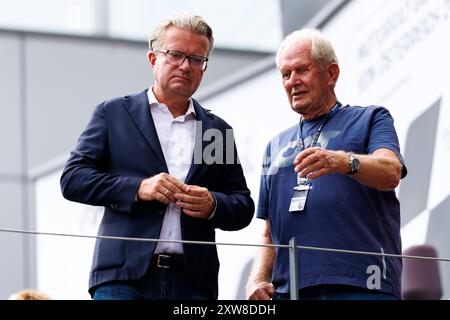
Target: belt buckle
{"type": "Point", "coordinates": [165, 258]}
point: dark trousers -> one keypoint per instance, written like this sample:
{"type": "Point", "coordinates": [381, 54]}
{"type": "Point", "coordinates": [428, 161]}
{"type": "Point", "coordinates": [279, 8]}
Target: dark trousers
{"type": "Point", "coordinates": [157, 284]}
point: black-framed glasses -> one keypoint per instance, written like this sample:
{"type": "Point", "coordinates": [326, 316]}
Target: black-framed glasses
{"type": "Point", "coordinates": [177, 58]}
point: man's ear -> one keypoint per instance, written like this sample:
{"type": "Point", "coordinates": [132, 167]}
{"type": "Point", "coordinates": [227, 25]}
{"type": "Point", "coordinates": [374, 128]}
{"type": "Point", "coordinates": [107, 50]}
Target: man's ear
{"type": "Point", "coordinates": [151, 58]}
{"type": "Point", "coordinates": [333, 74]}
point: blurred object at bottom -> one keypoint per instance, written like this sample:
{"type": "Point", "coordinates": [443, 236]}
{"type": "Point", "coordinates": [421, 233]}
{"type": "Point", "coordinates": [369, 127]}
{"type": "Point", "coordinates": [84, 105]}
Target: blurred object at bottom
{"type": "Point", "coordinates": [421, 279]}
{"type": "Point", "coordinates": [29, 294]}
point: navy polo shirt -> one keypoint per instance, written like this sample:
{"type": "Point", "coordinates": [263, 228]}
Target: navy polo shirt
{"type": "Point", "coordinates": [340, 212]}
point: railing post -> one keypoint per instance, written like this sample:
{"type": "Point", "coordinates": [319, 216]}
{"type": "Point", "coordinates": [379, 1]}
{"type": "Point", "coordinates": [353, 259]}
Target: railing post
{"type": "Point", "coordinates": [293, 268]}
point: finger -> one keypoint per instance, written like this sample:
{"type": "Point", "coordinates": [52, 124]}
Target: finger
{"type": "Point", "coordinates": [165, 193]}
{"type": "Point", "coordinates": [306, 162]}
{"type": "Point", "coordinates": [317, 174]}
{"type": "Point", "coordinates": [191, 206]}
{"type": "Point", "coordinates": [266, 291]}
{"type": "Point", "coordinates": [196, 191]}
{"type": "Point", "coordinates": [270, 290]}
{"type": "Point", "coordinates": [261, 294]}
{"type": "Point", "coordinates": [173, 184]}
{"type": "Point", "coordinates": [190, 199]}
{"type": "Point", "coordinates": [176, 183]}
{"type": "Point", "coordinates": [162, 198]}
{"type": "Point", "coordinates": [312, 168]}
{"type": "Point", "coordinates": [265, 295]}
{"type": "Point", "coordinates": [307, 159]}
{"type": "Point", "coordinates": [168, 180]}
{"type": "Point", "coordinates": [302, 155]}
{"type": "Point", "coordinates": [170, 191]}
{"type": "Point", "coordinates": [254, 296]}
{"type": "Point", "coordinates": [194, 214]}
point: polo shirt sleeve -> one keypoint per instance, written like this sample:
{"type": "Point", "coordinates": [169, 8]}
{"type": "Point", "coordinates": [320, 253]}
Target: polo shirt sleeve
{"type": "Point", "coordinates": [383, 134]}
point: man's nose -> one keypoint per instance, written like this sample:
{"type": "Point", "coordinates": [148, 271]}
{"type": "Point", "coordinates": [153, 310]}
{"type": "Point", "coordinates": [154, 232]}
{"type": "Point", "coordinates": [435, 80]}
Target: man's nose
{"type": "Point", "coordinates": [185, 65]}
{"type": "Point", "coordinates": [294, 79]}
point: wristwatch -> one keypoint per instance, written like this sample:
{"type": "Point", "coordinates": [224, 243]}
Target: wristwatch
{"type": "Point", "coordinates": [353, 163]}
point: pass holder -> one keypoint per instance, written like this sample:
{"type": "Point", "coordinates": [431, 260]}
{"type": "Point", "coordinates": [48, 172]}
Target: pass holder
{"type": "Point", "coordinates": [299, 196]}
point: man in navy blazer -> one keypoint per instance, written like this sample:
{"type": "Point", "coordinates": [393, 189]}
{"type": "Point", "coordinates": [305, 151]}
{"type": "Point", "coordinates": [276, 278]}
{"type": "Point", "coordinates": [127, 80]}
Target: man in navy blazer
{"type": "Point", "coordinates": [164, 168]}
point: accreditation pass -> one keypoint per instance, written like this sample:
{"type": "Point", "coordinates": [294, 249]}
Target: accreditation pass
{"type": "Point", "coordinates": [299, 196]}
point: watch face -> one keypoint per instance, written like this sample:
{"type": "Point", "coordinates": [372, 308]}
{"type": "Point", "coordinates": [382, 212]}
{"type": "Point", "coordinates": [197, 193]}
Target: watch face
{"type": "Point", "coordinates": [355, 164]}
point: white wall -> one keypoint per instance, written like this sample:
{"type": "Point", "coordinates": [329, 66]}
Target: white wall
{"type": "Point", "coordinates": [398, 58]}
{"type": "Point", "coordinates": [63, 263]}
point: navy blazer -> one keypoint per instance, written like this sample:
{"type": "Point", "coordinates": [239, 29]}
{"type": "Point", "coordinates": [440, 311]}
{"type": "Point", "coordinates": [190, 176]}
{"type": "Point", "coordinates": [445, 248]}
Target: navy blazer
{"type": "Point", "coordinates": [116, 151]}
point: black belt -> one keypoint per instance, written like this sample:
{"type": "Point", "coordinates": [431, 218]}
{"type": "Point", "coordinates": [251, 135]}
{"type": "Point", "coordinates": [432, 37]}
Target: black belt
{"type": "Point", "coordinates": [168, 261]}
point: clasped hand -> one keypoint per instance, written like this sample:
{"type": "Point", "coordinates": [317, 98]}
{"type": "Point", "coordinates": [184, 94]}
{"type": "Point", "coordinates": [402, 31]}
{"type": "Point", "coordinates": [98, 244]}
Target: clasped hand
{"type": "Point", "coordinates": [195, 201]}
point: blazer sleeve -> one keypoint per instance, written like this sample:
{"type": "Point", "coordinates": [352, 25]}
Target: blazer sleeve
{"type": "Point", "coordinates": [86, 177]}
{"type": "Point", "coordinates": [235, 207]}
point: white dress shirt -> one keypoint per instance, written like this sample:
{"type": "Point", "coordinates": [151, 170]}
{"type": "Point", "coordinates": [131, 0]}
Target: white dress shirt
{"type": "Point", "coordinates": [176, 136]}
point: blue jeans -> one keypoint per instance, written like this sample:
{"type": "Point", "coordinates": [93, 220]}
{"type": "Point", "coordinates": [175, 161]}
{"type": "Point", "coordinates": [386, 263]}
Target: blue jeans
{"type": "Point", "coordinates": [157, 284]}
{"type": "Point", "coordinates": [337, 292]}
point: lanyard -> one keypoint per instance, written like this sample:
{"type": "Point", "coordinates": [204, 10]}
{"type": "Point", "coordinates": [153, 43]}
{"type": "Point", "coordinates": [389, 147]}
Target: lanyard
{"type": "Point", "coordinates": [300, 141]}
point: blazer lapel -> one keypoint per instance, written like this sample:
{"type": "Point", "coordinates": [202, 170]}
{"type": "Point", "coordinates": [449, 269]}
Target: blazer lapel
{"type": "Point", "coordinates": [139, 110]}
{"type": "Point", "coordinates": [204, 122]}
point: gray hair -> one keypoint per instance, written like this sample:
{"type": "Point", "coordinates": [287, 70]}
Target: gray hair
{"type": "Point", "coordinates": [322, 51]}
{"type": "Point", "coordinates": [188, 21]}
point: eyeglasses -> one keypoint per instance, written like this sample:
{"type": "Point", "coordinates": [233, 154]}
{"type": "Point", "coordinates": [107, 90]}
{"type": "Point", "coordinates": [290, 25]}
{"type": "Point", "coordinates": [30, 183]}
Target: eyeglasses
{"type": "Point", "coordinates": [177, 58]}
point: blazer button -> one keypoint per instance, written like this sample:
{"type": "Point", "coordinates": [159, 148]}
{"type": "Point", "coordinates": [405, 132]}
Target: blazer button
{"type": "Point", "coordinates": [114, 206]}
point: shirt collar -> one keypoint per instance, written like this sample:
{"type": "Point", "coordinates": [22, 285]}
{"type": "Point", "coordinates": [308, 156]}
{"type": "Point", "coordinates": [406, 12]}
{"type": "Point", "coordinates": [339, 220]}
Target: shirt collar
{"type": "Point", "coordinates": [153, 101]}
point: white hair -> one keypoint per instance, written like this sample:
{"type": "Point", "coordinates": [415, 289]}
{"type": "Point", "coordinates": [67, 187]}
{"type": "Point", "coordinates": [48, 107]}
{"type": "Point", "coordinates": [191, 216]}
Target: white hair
{"type": "Point", "coordinates": [322, 50]}
{"type": "Point", "coordinates": [184, 20]}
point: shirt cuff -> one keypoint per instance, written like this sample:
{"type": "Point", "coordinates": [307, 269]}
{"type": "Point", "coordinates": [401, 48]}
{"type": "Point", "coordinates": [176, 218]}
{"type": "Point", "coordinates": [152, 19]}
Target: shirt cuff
{"type": "Point", "coordinates": [215, 207]}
